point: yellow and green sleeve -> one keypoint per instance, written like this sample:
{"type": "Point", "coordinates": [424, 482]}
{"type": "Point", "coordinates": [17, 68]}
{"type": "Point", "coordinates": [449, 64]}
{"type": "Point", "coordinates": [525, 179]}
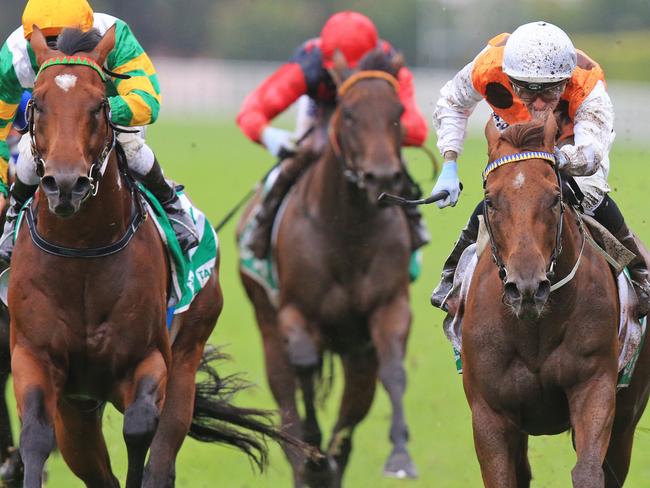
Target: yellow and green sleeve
{"type": "Point", "coordinates": [10, 93]}
{"type": "Point", "coordinates": [137, 99]}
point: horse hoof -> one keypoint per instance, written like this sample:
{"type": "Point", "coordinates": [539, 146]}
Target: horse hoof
{"type": "Point", "coordinates": [400, 466]}
{"type": "Point", "coordinates": [319, 473]}
{"type": "Point", "coordinates": [11, 471]}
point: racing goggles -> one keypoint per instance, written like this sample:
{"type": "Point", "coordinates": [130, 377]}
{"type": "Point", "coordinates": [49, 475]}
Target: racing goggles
{"type": "Point", "coordinates": [528, 91]}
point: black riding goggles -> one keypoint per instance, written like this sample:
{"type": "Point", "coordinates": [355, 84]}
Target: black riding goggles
{"type": "Point", "coordinates": [530, 90]}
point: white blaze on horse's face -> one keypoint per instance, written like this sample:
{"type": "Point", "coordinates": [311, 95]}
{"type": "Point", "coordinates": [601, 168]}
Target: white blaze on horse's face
{"type": "Point", "coordinates": [519, 181]}
{"type": "Point", "coordinates": [66, 82]}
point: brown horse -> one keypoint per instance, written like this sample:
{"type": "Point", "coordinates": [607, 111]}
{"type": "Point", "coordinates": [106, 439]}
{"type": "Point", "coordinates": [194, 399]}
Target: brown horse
{"type": "Point", "coordinates": [90, 330]}
{"type": "Point", "coordinates": [342, 263]}
{"type": "Point", "coordinates": [536, 361]}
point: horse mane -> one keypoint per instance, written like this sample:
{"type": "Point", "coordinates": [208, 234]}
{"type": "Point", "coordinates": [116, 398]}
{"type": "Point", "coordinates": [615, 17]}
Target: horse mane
{"type": "Point", "coordinates": [379, 60]}
{"type": "Point", "coordinates": [72, 41]}
{"type": "Point", "coordinates": [526, 137]}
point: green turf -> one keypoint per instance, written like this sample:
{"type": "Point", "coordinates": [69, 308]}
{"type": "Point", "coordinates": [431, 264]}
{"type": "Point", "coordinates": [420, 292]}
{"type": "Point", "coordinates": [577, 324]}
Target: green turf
{"type": "Point", "coordinates": [218, 166]}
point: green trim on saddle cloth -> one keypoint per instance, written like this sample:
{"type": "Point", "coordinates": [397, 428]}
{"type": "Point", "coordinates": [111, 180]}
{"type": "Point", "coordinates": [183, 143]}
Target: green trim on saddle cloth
{"type": "Point", "coordinates": [625, 375]}
{"type": "Point", "coordinates": [415, 265]}
{"type": "Point", "coordinates": [189, 272]}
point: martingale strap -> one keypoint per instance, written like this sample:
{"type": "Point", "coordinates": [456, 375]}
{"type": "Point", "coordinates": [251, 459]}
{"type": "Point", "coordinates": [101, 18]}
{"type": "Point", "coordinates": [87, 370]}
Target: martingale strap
{"type": "Point", "coordinates": [514, 158]}
{"type": "Point", "coordinates": [72, 60]}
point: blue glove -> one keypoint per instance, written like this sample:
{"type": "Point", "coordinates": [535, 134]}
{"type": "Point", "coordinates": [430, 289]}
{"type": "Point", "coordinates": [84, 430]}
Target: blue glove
{"type": "Point", "coordinates": [448, 181]}
{"type": "Point", "coordinates": [276, 140]}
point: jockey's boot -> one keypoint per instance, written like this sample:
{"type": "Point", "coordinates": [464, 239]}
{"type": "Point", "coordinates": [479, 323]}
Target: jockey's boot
{"type": "Point", "coordinates": [638, 269]}
{"type": "Point", "coordinates": [181, 221]}
{"type": "Point", "coordinates": [288, 172]}
{"type": "Point", "coordinates": [467, 236]}
{"type": "Point", "coordinates": [18, 195]}
{"type": "Point", "coordinates": [418, 230]}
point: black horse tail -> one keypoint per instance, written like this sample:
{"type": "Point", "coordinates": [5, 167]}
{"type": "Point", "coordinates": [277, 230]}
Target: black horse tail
{"type": "Point", "coordinates": [216, 419]}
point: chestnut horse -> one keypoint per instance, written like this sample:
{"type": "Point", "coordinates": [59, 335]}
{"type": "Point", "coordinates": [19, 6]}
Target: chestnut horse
{"type": "Point", "coordinates": [342, 263]}
{"type": "Point", "coordinates": [90, 330]}
{"type": "Point", "coordinates": [538, 359]}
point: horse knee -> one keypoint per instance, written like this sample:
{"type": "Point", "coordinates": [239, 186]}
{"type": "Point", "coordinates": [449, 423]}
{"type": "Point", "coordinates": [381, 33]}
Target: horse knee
{"type": "Point", "coordinates": [301, 346]}
{"type": "Point", "coordinates": [588, 475]}
{"type": "Point", "coordinates": [141, 417]}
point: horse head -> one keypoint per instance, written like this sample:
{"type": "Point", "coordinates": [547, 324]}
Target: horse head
{"type": "Point", "coordinates": [365, 130]}
{"type": "Point", "coordinates": [523, 212]}
{"type": "Point", "coordinates": [72, 137]}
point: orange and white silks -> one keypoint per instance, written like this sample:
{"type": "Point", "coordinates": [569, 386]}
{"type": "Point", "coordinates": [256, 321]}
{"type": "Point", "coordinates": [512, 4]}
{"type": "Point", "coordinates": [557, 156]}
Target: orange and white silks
{"type": "Point", "coordinates": [492, 83]}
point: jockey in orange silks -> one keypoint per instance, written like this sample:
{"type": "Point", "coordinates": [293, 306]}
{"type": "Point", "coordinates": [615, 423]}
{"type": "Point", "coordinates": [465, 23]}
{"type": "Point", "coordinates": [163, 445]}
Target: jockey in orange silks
{"type": "Point", "coordinates": [307, 75]}
{"type": "Point", "coordinates": [523, 75]}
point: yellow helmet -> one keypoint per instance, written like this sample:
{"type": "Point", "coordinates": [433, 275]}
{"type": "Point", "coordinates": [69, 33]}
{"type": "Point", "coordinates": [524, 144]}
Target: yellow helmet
{"type": "Point", "coordinates": [52, 16]}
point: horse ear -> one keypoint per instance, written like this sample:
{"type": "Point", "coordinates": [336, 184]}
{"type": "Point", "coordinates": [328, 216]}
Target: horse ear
{"type": "Point", "coordinates": [341, 70]}
{"type": "Point", "coordinates": [39, 46]}
{"type": "Point", "coordinates": [492, 135]}
{"type": "Point", "coordinates": [550, 131]}
{"type": "Point", "coordinates": [397, 62]}
{"type": "Point", "coordinates": [105, 46]}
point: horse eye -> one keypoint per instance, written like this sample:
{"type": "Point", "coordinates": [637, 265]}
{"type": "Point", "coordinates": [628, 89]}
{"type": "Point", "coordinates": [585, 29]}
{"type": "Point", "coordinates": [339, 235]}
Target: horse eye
{"type": "Point", "coordinates": [556, 200]}
{"type": "Point", "coordinates": [347, 116]}
{"type": "Point", "coordinates": [489, 204]}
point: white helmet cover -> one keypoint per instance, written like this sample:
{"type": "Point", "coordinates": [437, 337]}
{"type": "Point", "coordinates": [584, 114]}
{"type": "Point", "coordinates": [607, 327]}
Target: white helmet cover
{"type": "Point", "coordinates": [539, 52]}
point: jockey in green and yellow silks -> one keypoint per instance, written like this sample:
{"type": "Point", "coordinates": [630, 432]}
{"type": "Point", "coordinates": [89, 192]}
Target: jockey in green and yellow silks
{"type": "Point", "coordinates": [134, 102]}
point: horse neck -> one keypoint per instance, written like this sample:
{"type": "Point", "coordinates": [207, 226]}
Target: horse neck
{"type": "Point", "coordinates": [101, 220]}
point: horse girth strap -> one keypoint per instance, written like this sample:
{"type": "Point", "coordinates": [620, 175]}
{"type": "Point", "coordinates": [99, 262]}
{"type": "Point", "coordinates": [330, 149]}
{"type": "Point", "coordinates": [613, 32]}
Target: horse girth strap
{"type": "Point", "coordinates": [365, 75]}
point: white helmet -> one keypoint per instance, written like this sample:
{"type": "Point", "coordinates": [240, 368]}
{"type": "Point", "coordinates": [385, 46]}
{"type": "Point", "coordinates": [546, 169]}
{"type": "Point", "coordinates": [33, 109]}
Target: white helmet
{"type": "Point", "coordinates": [539, 52]}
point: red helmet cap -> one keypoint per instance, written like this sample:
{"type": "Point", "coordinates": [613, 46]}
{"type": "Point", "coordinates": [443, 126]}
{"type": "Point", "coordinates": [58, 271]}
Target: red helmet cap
{"type": "Point", "coordinates": [352, 33]}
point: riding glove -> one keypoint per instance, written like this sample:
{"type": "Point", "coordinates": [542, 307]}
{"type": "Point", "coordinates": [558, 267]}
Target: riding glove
{"type": "Point", "coordinates": [448, 181]}
{"type": "Point", "coordinates": [278, 141]}
{"type": "Point", "coordinates": [561, 159]}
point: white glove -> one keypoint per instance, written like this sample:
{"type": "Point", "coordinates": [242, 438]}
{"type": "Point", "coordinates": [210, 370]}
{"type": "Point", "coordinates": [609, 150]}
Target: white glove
{"type": "Point", "coordinates": [561, 159]}
{"type": "Point", "coordinates": [277, 139]}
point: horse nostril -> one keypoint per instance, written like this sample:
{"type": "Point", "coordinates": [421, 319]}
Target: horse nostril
{"type": "Point", "coordinates": [511, 291]}
{"type": "Point", "coordinates": [397, 177]}
{"type": "Point", "coordinates": [82, 185]}
{"type": "Point", "coordinates": [49, 184]}
{"type": "Point", "coordinates": [543, 291]}
{"type": "Point", "coordinates": [370, 177]}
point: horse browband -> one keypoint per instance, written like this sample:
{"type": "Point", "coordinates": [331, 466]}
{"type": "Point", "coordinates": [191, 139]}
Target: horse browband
{"type": "Point", "coordinates": [72, 60]}
{"type": "Point", "coordinates": [367, 74]}
{"type": "Point", "coordinates": [514, 158]}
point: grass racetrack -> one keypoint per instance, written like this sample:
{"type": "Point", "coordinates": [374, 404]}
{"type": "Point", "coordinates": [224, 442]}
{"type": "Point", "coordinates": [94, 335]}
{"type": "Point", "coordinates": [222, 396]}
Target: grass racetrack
{"type": "Point", "coordinates": [218, 166]}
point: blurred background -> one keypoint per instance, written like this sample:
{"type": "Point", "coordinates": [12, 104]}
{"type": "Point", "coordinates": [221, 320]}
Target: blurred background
{"type": "Point", "coordinates": [218, 50]}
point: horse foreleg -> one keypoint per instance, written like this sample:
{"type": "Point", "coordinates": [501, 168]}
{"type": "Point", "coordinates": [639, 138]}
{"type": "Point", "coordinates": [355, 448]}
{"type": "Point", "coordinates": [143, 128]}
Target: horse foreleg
{"type": "Point", "coordinates": [142, 398]}
{"type": "Point", "coordinates": [282, 381]}
{"type": "Point", "coordinates": [389, 327]}
{"type": "Point", "coordinates": [176, 415]}
{"type": "Point", "coordinates": [81, 441]}
{"type": "Point", "coordinates": [36, 399]}
{"type": "Point", "coordinates": [500, 447]}
{"type": "Point", "coordinates": [360, 380]}
{"type": "Point", "coordinates": [591, 404]}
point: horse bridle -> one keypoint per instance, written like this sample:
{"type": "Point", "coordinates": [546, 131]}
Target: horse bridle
{"type": "Point", "coordinates": [513, 158]}
{"type": "Point", "coordinates": [99, 164]}
{"type": "Point", "coordinates": [352, 174]}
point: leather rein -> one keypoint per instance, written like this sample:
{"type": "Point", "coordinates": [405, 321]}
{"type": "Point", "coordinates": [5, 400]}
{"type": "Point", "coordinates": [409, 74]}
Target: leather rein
{"type": "Point", "coordinates": [352, 174]}
{"type": "Point", "coordinates": [557, 250]}
{"type": "Point", "coordinates": [95, 172]}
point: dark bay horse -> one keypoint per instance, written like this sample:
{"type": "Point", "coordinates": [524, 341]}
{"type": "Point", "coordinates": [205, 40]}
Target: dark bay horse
{"type": "Point", "coordinates": [342, 263]}
{"type": "Point", "coordinates": [91, 330]}
{"type": "Point", "coordinates": [536, 361]}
